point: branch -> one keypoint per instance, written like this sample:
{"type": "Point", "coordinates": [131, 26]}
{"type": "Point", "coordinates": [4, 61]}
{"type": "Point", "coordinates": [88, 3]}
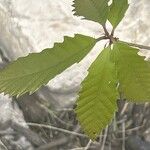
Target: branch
{"type": "Point", "coordinates": [105, 30]}
{"type": "Point", "coordinates": [137, 45]}
{"type": "Point", "coordinates": [101, 38]}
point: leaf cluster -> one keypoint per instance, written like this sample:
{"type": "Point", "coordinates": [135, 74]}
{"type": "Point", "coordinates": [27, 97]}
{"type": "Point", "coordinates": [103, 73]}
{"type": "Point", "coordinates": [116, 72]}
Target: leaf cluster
{"type": "Point", "coordinates": [118, 70]}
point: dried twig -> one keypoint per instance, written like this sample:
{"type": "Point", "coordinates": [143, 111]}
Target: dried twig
{"type": "Point", "coordinates": [124, 108]}
{"type": "Point", "coordinates": [4, 146]}
{"type": "Point", "coordinates": [123, 136]}
{"type": "Point", "coordinates": [55, 116]}
{"type": "Point", "coordinates": [104, 139]}
{"type": "Point", "coordinates": [57, 129]}
{"type": "Point", "coordinates": [53, 144]}
{"type": "Point", "coordinates": [88, 145]}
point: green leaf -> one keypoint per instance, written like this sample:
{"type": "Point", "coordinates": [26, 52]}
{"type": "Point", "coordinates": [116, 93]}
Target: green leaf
{"type": "Point", "coordinates": [133, 73]}
{"type": "Point", "coordinates": [117, 11]}
{"type": "Point", "coordinates": [97, 99]}
{"type": "Point", "coordinates": [29, 73]}
{"type": "Point", "coordinates": [95, 10]}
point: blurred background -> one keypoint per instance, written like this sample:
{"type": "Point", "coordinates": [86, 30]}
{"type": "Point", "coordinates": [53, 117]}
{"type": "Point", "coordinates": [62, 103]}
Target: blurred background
{"type": "Point", "coordinates": [46, 120]}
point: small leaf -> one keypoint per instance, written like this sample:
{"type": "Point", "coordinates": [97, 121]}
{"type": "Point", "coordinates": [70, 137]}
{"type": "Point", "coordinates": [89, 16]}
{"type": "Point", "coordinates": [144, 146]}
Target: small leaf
{"type": "Point", "coordinates": [97, 99]}
{"type": "Point", "coordinates": [117, 11]}
{"type": "Point", "coordinates": [95, 10]}
{"type": "Point", "coordinates": [29, 73]}
{"type": "Point", "coordinates": [133, 73]}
